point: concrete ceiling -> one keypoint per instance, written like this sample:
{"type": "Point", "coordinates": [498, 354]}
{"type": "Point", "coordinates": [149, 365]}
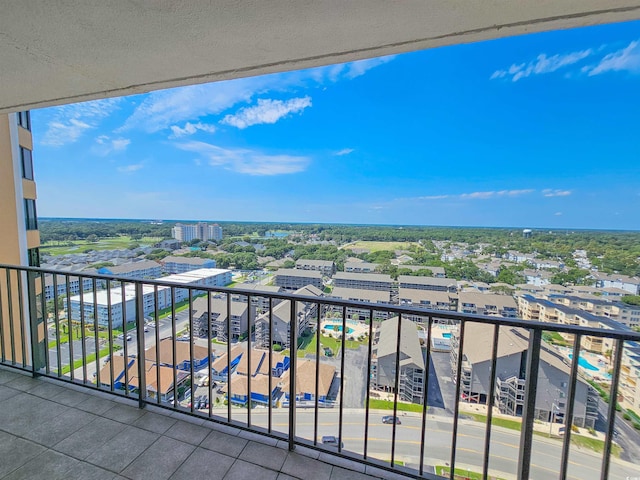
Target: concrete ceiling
{"type": "Point", "coordinates": [62, 51]}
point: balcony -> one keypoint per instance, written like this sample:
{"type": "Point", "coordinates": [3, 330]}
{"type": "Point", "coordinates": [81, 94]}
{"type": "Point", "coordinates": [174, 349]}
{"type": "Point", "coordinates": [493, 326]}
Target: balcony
{"type": "Point", "coordinates": [76, 395]}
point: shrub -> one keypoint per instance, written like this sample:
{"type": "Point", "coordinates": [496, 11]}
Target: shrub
{"type": "Point", "coordinates": [636, 425]}
{"type": "Point", "coordinates": [626, 416]}
{"type": "Point", "coordinates": [575, 429]}
{"type": "Point", "coordinates": [277, 347]}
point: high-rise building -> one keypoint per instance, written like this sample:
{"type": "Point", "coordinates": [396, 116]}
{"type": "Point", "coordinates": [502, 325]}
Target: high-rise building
{"type": "Point", "coordinates": [19, 236]}
{"type": "Point", "coordinates": [201, 231]}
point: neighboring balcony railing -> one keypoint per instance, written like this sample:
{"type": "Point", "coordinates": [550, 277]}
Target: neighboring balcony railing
{"type": "Point", "coordinates": [147, 340]}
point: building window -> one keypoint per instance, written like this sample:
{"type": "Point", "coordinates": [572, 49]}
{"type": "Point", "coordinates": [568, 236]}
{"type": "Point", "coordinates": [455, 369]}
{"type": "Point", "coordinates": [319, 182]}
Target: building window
{"type": "Point", "coordinates": [24, 119]}
{"type": "Point", "coordinates": [27, 163]}
{"type": "Point", "coordinates": [34, 257]}
{"type": "Point", "coordinates": [30, 216]}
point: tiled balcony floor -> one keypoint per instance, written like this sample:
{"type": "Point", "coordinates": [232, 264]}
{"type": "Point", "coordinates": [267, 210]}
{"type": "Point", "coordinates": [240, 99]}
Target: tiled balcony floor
{"type": "Point", "coordinates": [50, 430]}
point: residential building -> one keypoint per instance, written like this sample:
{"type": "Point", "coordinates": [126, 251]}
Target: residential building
{"type": "Point", "coordinates": [200, 231]}
{"type": "Point", "coordinates": [261, 303]}
{"type": "Point", "coordinates": [281, 315]}
{"type": "Point", "coordinates": [173, 264]}
{"type": "Point", "coordinates": [137, 270]}
{"type": "Point", "coordinates": [380, 297]}
{"type": "Point", "coordinates": [168, 244]}
{"type": "Point", "coordinates": [428, 283]}
{"type": "Point", "coordinates": [360, 267]}
{"type": "Point", "coordinates": [624, 282]}
{"type": "Point", "coordinates": [488, 304]}
{"type": "Point", "coordinates": [217, 320]}
{"type": "Point", "coordinates": [383, 360]}
{"type": "Point", "coordinates": [326, 267]}
{"type": "Point", "coordinates": [121, 302]}
{"type": "Point", "coordinates": [152, 371]}
{"type": "Point", "coordinates": [428, 299]}
{"type": "Point", "coordinates": [185, 353]}
{"type": "Point", "coordinates": [222, 368]}
{"type": "Point", "coordinates": [363, 281]}
{"type": "Point", "coordinates": [306, 383]}
{"type": "Point", "coordinates": [291, 279]}
{"type": "Point", "coordinates": [61, 286]}
{"type": "Point", "coordinates": [511, 382]}
{"type": "Point", "coordinates": [437, 272]}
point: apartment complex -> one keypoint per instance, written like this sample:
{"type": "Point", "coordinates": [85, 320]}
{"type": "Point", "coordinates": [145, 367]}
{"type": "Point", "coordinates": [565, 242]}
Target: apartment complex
{"type": "Point", "coordinates": [511, 384]}
{"type": "Point", "coordinates": [173, 264]}
{"type": "Point", "coordinates": [326, 267]}
{"type": "Point", "coordinates": [111, 307]}
{"type": "Point", "coordinates": [200, 231]}
{"type": "Point", "coordinates": [623, 282]}
{"type": "Point", "coordinates": [363, 281]}
{"type": "Point", "coordinates": [488, 304]}
{"type": "Point", "coordinates": [291, 279]}
{"type": "Point", "coordinates": [59, 285]}
{"type": "Point", "coordinates": [281, 315]}
{"type": "Point", "coordinates": [360, 267]}
{"type": "Point", "coordinates": [383, 360]}
{"type": "Point", "coordinates": [137, 270]}
{"type": "Point", "coordinates": [214, 317]}
{"type": "Point", "coordinates": [381, 297]}
{"type": "Point", "coordinates": [428, 283]}
{"type": "Point", "coordinates": [544, 310]}
{"type": "Point", "coordinates": [429, 299]}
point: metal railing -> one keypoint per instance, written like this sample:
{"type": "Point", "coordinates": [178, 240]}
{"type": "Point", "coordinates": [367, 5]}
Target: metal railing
{"type": "Point", "coordinates": [136, 338]}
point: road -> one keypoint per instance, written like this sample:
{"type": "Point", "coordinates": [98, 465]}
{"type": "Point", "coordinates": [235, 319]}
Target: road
{"type": "Point", "coordinates": [545, 460]}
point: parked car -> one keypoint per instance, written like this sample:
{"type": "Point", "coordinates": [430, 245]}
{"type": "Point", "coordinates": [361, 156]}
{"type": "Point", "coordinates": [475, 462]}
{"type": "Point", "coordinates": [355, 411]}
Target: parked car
{"type": "Point", "coordinates": [128, 338]}
{"type": "Point", "coordinates": [331, 440]}
{"type": "Point", "coordinates": [391, 419]}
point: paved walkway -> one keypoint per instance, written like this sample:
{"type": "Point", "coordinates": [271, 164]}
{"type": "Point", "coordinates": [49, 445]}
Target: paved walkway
{"type": "Point", "coordinates": [54, 431]}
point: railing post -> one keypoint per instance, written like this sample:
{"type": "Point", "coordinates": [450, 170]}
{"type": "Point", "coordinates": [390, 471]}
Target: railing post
{"type": "Point", "coordinates": [526, 434]}
{"type": "Point", "coordinates": [293, 349]}
{"type": "Point", "coordinates": [33, 319]}
{"type": "Point", "coordinates": [142, 381]}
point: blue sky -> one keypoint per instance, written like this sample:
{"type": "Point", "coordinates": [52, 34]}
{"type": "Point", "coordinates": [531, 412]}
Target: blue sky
{"type": "Point", "coordinates": [538, 130]}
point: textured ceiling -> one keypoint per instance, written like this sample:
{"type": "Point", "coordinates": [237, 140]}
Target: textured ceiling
{"type": "Point", "coordinates": [54, 52]}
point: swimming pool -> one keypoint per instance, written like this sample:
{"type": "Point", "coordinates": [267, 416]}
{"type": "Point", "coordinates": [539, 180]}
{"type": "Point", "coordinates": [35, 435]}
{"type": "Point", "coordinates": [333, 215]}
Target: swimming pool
{"type": "Point", "coordinates": [338, 328]}
{"type": "Point", "coordinates": [446, 335]}
{"type": "Point", "coordinates": [584, 363]}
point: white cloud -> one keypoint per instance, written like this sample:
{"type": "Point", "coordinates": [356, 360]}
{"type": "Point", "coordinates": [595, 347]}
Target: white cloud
{"type": "Point", "coordinates": [558, 214]}
{"type": "Point", "coordinates": [344, 151]}
{"type": "Point", "coordinates": [190, 128]}
{"type": "Point", "coordinates": [162, 109]}
{"type": "Point", "coordinates": [627, 58]}
{"type": "Point", "coordinates": [106, 145]}
{"type": "Point", "coordinates": [266, 111]}
{"type": "Point", "coordinates": [250, 162]}
{"type": "Point", "coordinates": [434, 197]}
{"type": "Point", "coordinates": [130, 168]}
{"type": "Point", "coordinates": [542, 64]}
{"type": "Point", "coordinates": [69, 122]}
{"type": "Point", "coordinates": [494, 194]}
{"type": "Point", "coordinates": [480, 195]}
{"type": "Point", "coordinates": [550, 192]}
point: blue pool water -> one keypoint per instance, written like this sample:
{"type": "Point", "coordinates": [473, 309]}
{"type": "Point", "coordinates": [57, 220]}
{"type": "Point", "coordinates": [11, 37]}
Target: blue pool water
{"type": "Point", "coordinates": [338, 328]}
{"type": "Point", "coordinates": [584, 363]}
{"type": "Point", "coordinates": [446, 335]}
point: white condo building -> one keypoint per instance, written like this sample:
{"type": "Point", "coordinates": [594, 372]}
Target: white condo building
{"type": "Point", "coordinates": [122, 302]}
{"type": "Point", "coordinates": [202, 231]}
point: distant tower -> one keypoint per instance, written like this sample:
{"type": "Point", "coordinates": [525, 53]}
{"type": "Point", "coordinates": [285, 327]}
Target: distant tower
{"type": "Point", "coordinates": [526, 233]}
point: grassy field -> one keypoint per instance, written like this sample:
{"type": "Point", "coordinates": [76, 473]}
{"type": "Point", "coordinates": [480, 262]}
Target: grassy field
{"type": "Point", "coordinates": [377, 246]}
{"type": "Point", "coordinates": [579, 440]}
{"type": "Point", "coordinates": [308, 345]}
{"type": "Point", "coordinates": [461, 473]}
{"type": "Point", "coordinates": [57, 248]}
{"type": "Point", "coordinates": [388, 405]}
